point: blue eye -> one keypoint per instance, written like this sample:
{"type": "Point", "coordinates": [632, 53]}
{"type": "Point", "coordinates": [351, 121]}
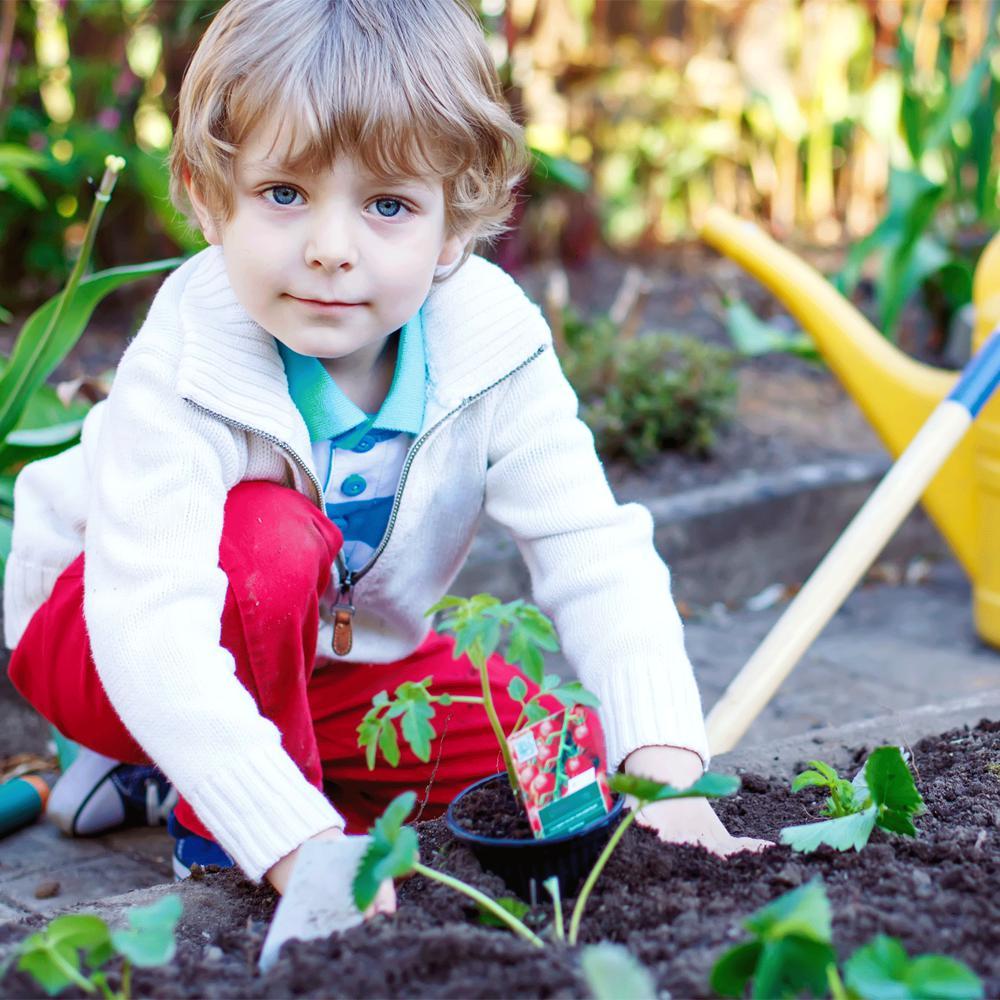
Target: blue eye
{"type": "Point", "coordinates": [388, 207]}
{"type": "Point", "coordinates": [282, 194]}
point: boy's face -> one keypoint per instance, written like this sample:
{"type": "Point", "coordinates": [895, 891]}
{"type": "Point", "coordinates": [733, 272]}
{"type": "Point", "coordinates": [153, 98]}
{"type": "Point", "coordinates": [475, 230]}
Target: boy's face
{"type": "Point", "coordinates": [330, 263]}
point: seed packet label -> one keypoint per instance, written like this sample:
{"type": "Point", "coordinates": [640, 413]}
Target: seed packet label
{"type": "Point", "coordinates": [562, 772]}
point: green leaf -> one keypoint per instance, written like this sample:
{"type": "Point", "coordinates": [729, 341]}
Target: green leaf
{"type": "Point", "coordinates": [62, 941]}
{"type": "Point", "coordinates": [804, 912]}
{"type": "Point", "coordinates": [32, 361]}
{"type": "Point", "coordinates": [534, 712]}
{"type": "Point", "coordinates": [417, 728]}
{"type": "Point", "coordinates": [882, 970]}
{"type": "Point", "coordinates": [511, 904]}
{"type": "Point", "coordinates": [574, 693]}
{"type": "Point", "coordinates": [809, 779]}
{"type": "Point", "coordinates": [559, 170]}
{"type": "Point", "coordinates": [388, 743]}
{"type": "Point", "coordinates": [392, 852]}
{"type": "Point", "coordinates": [734, 969]}
{"type": "Point", "coordinates": [6, 535]}
{"type": "Point", "coordinates": [753, 337]}
{"type": "Point", "coordinates": [791, 965]}
{"type": "Point", "coordinates": [517, 689]}
{"type": "Point", "coordinates": [612, 972]}
{"type": "Point", "coordinates": [709, 786]}
{"type": "Point", "coordinates": [841, 833]}
{"type": "Point", "coordinates": [149, 940]}
{"type": "Point", "coordinates": [41, 967]}
{"type": "Point", "coordinates": [890, 782]}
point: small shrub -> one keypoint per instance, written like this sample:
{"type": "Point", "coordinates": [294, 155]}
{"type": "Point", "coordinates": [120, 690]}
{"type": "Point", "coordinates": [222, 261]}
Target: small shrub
{"type": "Point", "coordinates": [647, 394]}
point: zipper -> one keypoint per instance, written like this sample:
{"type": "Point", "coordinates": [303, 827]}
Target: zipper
{"type": "Point", "coordinates": [342, 616]}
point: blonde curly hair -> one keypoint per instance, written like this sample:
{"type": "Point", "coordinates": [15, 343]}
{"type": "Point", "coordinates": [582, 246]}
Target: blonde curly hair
{"type": "Point", "coordinates": [407, 87]}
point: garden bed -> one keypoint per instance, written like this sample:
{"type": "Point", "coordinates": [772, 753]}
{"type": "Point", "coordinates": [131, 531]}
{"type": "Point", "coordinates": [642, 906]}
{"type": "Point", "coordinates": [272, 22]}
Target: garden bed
{"type": "Point", "coordinates": [675, 908]}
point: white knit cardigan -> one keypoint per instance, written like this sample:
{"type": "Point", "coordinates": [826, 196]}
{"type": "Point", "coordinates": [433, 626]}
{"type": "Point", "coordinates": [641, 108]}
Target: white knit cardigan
{"type": "Point", "coordinates": [200, 403]}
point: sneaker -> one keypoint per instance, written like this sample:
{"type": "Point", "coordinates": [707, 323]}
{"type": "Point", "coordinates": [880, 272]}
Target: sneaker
{"type": "Point", "coordinates": [96, 794]}
{"type": "Point", "coordinates": [192, 849]}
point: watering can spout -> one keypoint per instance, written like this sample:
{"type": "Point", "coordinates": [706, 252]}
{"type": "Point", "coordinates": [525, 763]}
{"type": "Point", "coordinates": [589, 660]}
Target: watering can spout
{"type": "Point", "coordinates": [895, 393]}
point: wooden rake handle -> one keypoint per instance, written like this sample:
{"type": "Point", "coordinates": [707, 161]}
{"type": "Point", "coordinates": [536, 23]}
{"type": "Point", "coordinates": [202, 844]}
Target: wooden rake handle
{"type": "Point", "coordinates": [854, 552]}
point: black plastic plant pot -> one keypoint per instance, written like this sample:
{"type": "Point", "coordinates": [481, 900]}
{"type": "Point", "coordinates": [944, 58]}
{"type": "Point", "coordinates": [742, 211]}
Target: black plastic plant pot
{"type": "Point", "coordinates": [525, 864]}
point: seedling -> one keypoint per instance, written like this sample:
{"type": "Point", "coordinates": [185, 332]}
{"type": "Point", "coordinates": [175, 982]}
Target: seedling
{"type": "Point", "coordinates": [645, 791]}
{"type": "Point", "coordinates": [612, 972]}
{"type": "Point", "coordinates": [479, 624]}
{"type": "Point", "coordinates": [72, 949]}
{"type": "Point", "coordinates": [882, 968]}
{"type": "Point", "coordinates": [792, 950]}
{"type": "Point", "coordinates": [393, 853]}
{"type": "Point", "coordinates": [882, 795]}
{"type": "Point", "coordinates": [789, 951]}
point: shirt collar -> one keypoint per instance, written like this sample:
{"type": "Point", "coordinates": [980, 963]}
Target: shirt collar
{"type": "Point", "coordinates": [328, 413]}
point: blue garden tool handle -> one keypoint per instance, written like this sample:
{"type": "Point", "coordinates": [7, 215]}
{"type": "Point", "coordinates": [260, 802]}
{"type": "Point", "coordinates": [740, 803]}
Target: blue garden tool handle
{"type": "Point", "coordinates": [980, 378]}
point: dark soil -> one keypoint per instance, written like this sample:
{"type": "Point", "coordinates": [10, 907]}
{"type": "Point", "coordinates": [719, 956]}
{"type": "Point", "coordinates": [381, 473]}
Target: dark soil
{"type": "Point", "coordinates": [492, 811]}
{"type": "Point", "coordinates": [675, 908]}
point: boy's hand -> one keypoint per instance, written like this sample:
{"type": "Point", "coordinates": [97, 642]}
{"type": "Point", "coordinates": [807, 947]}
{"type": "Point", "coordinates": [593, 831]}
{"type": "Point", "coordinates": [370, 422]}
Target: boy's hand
{"type": "Point", "coordinates": [280, 872]}
{"type": "Point", "coordinates": [684, 821]}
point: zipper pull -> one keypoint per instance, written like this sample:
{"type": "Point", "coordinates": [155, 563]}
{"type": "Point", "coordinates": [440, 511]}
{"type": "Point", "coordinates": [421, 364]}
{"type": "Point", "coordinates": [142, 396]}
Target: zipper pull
{"type": "Point", "coordinates": [343, 619]}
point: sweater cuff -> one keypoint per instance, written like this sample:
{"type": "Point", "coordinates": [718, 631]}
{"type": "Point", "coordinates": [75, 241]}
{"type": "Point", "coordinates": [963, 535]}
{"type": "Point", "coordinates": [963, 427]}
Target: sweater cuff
{"type": "Point", "coordinates": [26, 587]}
{"type": "Point", "coordinates": [262, 809]}
{"type": "Point", "coordinates": [642, 710]}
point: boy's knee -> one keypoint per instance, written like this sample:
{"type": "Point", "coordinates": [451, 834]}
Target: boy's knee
{"type": "Point", "coordinates": [274, 532]}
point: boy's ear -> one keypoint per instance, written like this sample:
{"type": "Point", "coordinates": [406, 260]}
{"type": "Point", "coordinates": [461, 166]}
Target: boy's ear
{"type": "Point", "coordinates": [209, 227]}
{"type": "Point", "coordinates": [452, 249]}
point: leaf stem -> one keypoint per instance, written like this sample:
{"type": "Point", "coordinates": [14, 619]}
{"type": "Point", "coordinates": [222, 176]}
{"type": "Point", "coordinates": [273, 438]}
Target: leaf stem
{"type": "Point", "coordinates": [73, 975]}
{"type": "Point", "coordinates": [461, 699]}
{"type": "Point", "coordinates": [484, 901]}
{"type": "Point", "coordinates": [552, 887]}
{"type": "Point", "coordinates": [126, 980]}
{"type": "Point", "coordinates": [491, 714]}
{"type": "Point", "coordinates": [10, 411]}
{"type": "Point", "coordinates": [837, 989]}
{"type": "Point", "coordinates": [581, 900]}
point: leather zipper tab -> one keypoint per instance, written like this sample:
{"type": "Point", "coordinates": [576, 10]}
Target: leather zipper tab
{"type": "Point", "coordinates": [343, 621]}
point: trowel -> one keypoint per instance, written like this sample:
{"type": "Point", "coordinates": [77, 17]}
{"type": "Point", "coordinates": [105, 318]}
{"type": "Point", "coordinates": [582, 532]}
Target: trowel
{"type": "Point", "coordinates": [318, 899]}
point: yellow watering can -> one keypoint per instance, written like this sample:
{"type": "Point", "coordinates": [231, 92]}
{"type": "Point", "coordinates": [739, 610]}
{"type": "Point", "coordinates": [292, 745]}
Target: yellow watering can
{"type": "Point", "coordinates": [956, 473]}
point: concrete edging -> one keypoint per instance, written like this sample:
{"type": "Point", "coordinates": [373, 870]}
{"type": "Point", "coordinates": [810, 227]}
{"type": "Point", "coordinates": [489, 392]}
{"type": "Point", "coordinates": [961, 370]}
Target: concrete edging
{"type": "Point", "coordinates": [728, 541]}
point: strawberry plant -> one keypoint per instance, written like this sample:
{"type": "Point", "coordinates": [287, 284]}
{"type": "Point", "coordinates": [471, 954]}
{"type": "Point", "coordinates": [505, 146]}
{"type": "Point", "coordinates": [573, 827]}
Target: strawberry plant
{"type": "Point", "coordinates": [882, 795]}
{"type": "Point", "coordinates": [791, 951]}
{"type": "Point", "coordinates": [393, 853]}
{"type": "Point", "coordinates": [72, 949]}
{"type": "Point", "coordinates": [480, 624]}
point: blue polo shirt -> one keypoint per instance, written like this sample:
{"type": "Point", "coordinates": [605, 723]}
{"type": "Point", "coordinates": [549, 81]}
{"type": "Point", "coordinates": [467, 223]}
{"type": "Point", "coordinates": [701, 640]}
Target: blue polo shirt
{"type": "Point", "coordinates": [359, 456]}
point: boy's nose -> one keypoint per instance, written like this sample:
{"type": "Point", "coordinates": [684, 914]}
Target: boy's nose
{"type": "Point", "coordinates": [331, 246]}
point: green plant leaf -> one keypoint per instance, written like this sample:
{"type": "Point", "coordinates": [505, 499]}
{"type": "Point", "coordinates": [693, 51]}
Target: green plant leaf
{"type": "Point", "coordinates": [559, 170]}
{"type": "Point", "coordinates": [734, 969]}
{"type": "Point", "coordinates": [791, 965]}
{"type": "Point", "coordinates": [388, 743]}
{"type": "Point", "coordinates": [517, 689]}
{"type": "Point", "coordinates": [804, 912]}
{"type": "Point", "coordinates": [511, 904]}
{"type": "Point", "coordinates": [392, 852]}
{"type": "Point", "coordinates": [61, 942]}
{"type": "Point", "coordinates": [841, 833]}
{"type": "Point", "coordinates": [612, 972]}
{"type": "Point", "coordinates": [534, 712]}
{"type": "Point", "coordinates": [709, 786]}
{"type": "Point", "coordinates": [882, 970]}
{"type": "Point", "coordinates": [149, 939]}
{"type": "Point", "coordinates": [572, 693]}
{"type": "Point", "coordinates": [890, 781]}
{"type": "Point", "coordinates": [32, 362]}
{"type": "Point", "coordinates": [417, 728]}
{"type": "Point", "coordinates": [753, 337]}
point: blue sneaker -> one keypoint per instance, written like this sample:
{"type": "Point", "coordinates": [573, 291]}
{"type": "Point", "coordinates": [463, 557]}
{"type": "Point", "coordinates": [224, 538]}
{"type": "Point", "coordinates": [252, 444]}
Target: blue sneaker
{"type": "Point", "coordinates": [96, 794]}
{"type": "Point", "coordinates": [191, 849]}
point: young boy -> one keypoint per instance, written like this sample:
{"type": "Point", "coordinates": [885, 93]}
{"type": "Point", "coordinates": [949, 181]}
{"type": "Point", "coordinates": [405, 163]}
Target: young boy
{"type": "Point", "coordinates": [301, 440]}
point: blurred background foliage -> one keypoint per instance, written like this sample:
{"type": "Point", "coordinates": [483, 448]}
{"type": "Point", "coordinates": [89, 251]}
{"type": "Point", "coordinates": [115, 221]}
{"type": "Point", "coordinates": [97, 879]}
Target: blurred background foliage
{"type": "Point", "coordinates": [867, 122]}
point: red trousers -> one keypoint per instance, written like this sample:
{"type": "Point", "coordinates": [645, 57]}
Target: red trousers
{"type": "Point", "coordinates": [277, 550]}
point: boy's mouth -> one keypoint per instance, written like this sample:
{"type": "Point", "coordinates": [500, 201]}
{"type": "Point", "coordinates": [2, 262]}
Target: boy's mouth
{"type": "Point", "coordinates": [330, 304]}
